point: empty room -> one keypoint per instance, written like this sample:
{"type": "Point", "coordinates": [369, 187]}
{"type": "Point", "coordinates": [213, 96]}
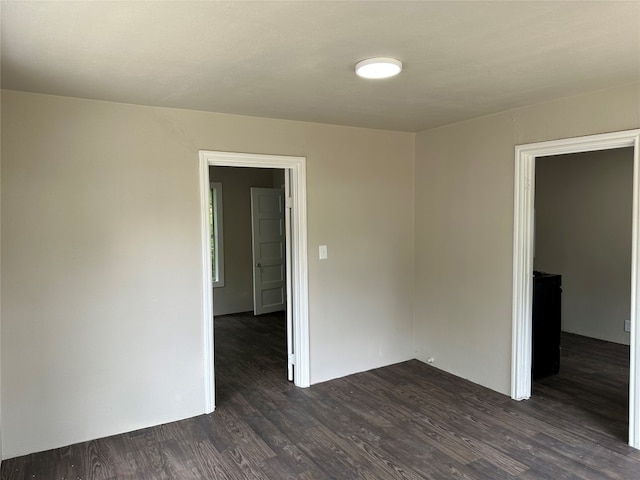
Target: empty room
{"type": "Point", "coordinates": [299, 240]}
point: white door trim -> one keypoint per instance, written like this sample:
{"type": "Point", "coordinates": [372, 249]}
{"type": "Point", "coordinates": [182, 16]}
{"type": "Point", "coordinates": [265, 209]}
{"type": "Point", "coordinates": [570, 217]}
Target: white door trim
{"type": "Point", "coordinates": [297, 171]}
{"type": "Point", "coordinates": [524, 193]}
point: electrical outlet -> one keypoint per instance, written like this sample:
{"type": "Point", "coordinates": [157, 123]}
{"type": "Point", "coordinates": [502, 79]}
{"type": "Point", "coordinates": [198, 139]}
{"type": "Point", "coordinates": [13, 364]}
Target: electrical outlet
{"type": "Point", "coordinates": [627, 325]}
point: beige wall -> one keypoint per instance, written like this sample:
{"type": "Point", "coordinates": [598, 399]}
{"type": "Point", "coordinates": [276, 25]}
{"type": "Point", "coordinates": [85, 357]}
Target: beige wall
{"type": "Point", "coordinates": [101, 273]}
{"type": "Point", "coordinates": [278, 177]}
{"type": "Point", "coordinates": [237, 293]}
{"type": "Point", "coordinates": [583, 232]}
{"type": "Point", "coordinates": [101, 311]}
{"type": "Point", "coordinates": [464, 226]}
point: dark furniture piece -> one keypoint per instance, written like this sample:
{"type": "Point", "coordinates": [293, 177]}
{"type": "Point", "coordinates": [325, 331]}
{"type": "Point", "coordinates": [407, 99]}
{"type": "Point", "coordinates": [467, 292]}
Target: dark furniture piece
{"type": "Point", "coordinates": [546, 324]}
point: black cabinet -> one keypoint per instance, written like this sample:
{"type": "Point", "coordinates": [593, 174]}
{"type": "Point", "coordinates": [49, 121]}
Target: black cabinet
{"type": "Point", "coordinates": [546, 324]}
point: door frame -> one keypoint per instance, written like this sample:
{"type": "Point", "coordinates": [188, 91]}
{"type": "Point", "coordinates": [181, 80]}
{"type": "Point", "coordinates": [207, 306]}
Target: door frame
{"type": "Point", "coordinates": [296, 166]}
{"type": "Point", "coordinates": [524, 196]}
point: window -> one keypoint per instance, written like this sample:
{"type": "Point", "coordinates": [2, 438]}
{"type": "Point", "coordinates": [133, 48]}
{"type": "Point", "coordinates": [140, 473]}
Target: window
{"type": "Point", "coordinates": [215, 220]}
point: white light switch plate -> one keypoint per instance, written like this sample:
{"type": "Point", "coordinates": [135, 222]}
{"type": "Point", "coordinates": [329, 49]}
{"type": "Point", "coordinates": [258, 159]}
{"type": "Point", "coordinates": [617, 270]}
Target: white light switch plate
{"type": "Point", "coordinates": [322, 252]}
{"type": "Point", "coordinates": [627, 325]}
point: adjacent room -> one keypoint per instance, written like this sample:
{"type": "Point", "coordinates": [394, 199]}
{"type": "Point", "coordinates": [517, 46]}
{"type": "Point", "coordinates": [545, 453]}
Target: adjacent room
{"type": "Point", "coordinates": [145, 334]}
{"type": "Point", "coordinates": [583, 236]}
{"type": "Point", "coordinates": [249, 274]}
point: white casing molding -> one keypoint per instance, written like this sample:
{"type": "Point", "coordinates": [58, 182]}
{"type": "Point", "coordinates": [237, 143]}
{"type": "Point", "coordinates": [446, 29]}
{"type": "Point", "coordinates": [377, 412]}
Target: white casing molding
{"type": "Point", "coordinates": [299, 283]}
{"type": "Point", "coordinates": [524, 194]}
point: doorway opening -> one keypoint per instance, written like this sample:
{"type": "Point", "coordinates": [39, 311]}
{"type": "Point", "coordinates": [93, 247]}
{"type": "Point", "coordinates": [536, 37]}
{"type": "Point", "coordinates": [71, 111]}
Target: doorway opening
{"type": "Point", "coordinates": [294, 290]}
{"type": "Point", "coordinates": [250, 265]}
{"type": "Point", "coordinates": [525, 160]}
{"type": "Point", "coordinates": [582, 287]}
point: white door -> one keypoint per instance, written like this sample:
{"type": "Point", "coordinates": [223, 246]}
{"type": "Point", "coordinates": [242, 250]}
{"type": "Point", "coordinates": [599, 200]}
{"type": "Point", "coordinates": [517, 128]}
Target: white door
{"type": "Point", "coordinates": [268, 238]}
{"type": "Point", "coordinates": [289, 273]}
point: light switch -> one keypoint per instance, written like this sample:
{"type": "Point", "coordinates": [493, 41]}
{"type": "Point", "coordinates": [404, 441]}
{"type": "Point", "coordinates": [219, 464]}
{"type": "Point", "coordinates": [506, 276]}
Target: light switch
{"type": "Point", "coordinates": [322, 250]}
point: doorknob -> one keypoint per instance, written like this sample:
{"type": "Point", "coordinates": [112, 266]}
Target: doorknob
{"type": "Point", "coordinates": [259, 265]}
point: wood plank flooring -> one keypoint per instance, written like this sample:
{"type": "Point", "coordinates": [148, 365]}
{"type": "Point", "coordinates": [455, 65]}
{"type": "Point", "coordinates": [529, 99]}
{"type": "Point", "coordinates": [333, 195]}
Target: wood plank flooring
{"type": "Point", "coordinates": [406, 421]}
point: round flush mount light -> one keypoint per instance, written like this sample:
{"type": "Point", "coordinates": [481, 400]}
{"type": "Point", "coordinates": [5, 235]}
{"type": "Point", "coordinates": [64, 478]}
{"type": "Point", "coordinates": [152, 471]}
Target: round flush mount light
{"type": "Point", "coordinates": [379, 67]}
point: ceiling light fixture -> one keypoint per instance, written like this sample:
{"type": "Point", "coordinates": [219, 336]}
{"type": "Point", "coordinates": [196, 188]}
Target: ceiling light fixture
{"type": "Point", "coordinates": [379, 67]}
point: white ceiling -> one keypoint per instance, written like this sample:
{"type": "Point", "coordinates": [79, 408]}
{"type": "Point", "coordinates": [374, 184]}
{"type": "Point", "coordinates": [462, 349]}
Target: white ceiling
{"type": "Point", "coordinates": [294, 60]}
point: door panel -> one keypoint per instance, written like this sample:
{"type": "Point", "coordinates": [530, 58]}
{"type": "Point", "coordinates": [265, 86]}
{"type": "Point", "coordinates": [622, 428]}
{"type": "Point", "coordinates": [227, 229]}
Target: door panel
{"type": "Point", "coordinates": [289, 272]}
{"type": "Point", "coordinates": [268, 239]}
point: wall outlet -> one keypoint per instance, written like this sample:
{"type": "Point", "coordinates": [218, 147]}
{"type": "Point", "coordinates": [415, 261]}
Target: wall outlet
{"type": "Point", "coordinates": [627, 325]}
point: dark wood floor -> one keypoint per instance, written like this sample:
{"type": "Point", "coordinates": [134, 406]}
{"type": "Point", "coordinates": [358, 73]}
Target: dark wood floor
{"type": "Point", "coordinates": [406, 421]}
